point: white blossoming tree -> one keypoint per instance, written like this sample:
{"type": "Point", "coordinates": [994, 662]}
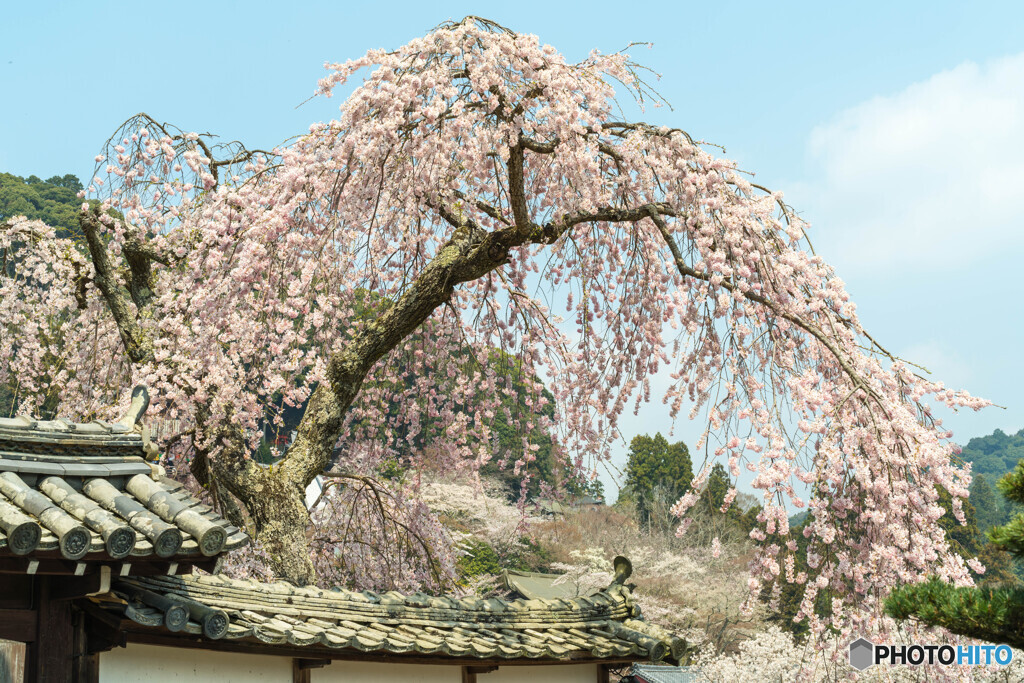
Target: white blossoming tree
{"type": "Point", "coordinates": [478, 199]}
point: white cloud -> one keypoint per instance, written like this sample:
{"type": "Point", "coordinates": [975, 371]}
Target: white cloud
{"type": "Point", "coordinates": [943, 362]}
{"type": "Point", "coordinates": [926, 178]}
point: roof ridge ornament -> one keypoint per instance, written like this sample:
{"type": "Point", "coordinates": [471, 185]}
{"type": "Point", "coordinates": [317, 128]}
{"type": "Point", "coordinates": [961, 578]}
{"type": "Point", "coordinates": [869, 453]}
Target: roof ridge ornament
{"type": "Point", "coordinates": [140, 401]}
{"type": "Point", "coordinates": [131, 420]}
{"type": "Point", "coordinates": [623, 569]}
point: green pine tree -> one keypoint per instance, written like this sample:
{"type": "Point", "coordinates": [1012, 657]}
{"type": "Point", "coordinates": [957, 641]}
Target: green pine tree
{"type": "Point", "coordinates": [992, 613]}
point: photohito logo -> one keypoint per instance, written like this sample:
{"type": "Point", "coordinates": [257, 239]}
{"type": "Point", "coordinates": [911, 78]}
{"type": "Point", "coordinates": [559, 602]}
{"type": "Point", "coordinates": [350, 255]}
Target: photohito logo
{"type": "Point", "coordinates": [864, 653]}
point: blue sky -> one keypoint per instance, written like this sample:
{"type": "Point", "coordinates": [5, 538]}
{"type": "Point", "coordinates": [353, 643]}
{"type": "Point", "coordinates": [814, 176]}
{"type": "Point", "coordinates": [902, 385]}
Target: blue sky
{"type": "Point", "coordinates": [898, 131]}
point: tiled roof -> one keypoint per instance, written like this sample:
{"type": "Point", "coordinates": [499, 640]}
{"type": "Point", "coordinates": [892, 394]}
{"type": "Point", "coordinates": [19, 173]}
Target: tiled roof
{"type": "Point", "coordinates": [646, 673]}
{"type": "Point", "coordinates": [596, 627]}
{"type": "Point", "coordinates": [86, 491]}
{"type": "Point", "coordinates": [540, 585]}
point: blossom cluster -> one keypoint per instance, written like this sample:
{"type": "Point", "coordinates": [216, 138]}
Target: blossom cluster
{"type": "Point", "coordinates": [631, 249]}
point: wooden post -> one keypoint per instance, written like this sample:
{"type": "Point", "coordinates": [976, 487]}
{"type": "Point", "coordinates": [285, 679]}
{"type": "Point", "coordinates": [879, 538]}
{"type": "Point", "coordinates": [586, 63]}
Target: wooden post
{"type": "Point", "coordinates": [50, 657]}
{"type": "Point", "coordinates": [469, 673]}
{"type": "Point", "coordinates": [86, 665]}
{"type": "Point", "coordinates": [299, 674]}
{"type": "Point", "coordinates": [301, 668]}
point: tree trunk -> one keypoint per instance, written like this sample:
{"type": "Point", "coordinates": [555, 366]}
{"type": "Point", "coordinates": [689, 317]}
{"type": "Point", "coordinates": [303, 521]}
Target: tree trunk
{"type": "Point", "coordinates": [278, 510]}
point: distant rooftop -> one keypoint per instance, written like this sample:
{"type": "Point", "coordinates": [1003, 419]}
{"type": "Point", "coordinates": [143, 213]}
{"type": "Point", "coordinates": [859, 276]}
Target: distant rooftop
{"type": "Point", "coordinates": [652, 673]}
{"type": "Point", "coordinates": [532, 585]}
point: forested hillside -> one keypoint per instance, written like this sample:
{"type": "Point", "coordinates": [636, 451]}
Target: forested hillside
{"type": "Point", "coordinates": [54, 201]}
{"type": "Point", "coordinates": [996, 454]}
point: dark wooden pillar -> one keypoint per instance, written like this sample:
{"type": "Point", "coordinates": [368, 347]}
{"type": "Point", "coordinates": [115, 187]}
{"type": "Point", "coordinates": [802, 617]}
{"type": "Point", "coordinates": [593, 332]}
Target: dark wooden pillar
{"type": "Point", "coordinates": [86, 664]}
{"type": "Point", "coordinates": [50, 655]}
{"type": "Point", "coordinates": [301, 668]}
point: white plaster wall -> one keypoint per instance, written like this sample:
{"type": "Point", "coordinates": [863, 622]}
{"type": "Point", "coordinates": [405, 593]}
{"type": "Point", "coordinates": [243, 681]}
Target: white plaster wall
{"type": "Point", "coordinates": [156, 664]}
{"type": "Point", "coordinates": [341, 671]}
{"type": "Point", "coordinates": [558, 673]}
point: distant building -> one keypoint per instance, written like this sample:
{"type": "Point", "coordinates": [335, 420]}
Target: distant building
{"type": "Point", "coordinates": [649, 673]}
{"type": "Point", "coordinates": [537, 585]}
{"type": "Point", "coordinates": [552, 506]}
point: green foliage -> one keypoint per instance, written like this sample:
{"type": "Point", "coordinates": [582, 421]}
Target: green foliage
{"type": "Point", "coordinates": [480, 559]}
{"type": "Point", "coordinates": [6, 401]}
{"type": "Point", "coordinates": [1012, 485]}
{"type": "Point", "coordinates": [264, 455]}
{"type": "Point", "coordinates": [993, 456]}
{"type": "Point", "coordinates": [656, 471]}
{"type": "Point", "coordinates": [527, 555]}
{"type": "Point", "coordinates": [990, 612]}
{"type": "Point", "coordinates": [996, 454]}
{"type": "Point", "coordinates": [589, 487]}
{"type": "Point", "coordinates": [799, 519]}
{"type": "Point", "coordinates": [483, 559]}
{"type": "Point", "coordinates": [788, 600]}
{"type": "Point", "coordinates": [717, 486]}
{"type": "Point", "coordinates": [509, 447]}
{"type": "Point", "coordinates": [987, 508]}
{"type": "Point", "coordinates": [54, 201]}
{"type": "Point", "coordinates": [1011, 536]}
{"type": "Point", "coordinates": [1000, 568]}
{"type": "Point", "coordinates": [995, 614]}
{"type": "Point", "coordinates": [390, 469]}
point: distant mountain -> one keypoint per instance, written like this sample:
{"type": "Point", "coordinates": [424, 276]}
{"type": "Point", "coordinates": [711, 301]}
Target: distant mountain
{"type": "Point", "coordinates": [996, 454]}
{"type": "Point", "coordinates": [54, 201]}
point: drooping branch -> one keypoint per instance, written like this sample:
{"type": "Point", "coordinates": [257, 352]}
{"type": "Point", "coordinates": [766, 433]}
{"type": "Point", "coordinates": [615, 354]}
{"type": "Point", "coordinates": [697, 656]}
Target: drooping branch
{"type": "Point", "coordinates": [137, 345]}
{"type": "Point", "coordinates": [470, 254]}
{"type": "Point", "coordinates": [687, 271]}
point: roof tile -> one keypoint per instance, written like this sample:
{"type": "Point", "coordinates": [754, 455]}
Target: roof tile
{"type": "Point", "coordinates": [281, 614]}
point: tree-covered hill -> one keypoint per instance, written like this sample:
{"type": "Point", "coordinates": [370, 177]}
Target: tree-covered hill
{"type": "Point", "coordinates": [54, 201]}
{"type": "Point", "coordinates": [996, 454]}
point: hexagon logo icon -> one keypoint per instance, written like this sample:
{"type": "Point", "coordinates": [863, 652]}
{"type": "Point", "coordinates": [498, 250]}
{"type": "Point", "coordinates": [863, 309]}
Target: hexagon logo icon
{"type": "Point", "coordinates": [862, 654]}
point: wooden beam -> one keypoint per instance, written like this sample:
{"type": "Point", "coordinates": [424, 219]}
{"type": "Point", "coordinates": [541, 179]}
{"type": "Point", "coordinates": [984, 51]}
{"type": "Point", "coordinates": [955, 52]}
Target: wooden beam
{"type": "Point", "coordinates": [302, 668]}
{"type": "Point", "coordinates": [304, 663]}
{"type": "Point", "coordinates": [44, 565]}
{"type": "Point", "coordinates": [18, 624]}
{"type": "Point", "coordinates": [102, 628]}
{"type": "Point", "coordinates": [80, 586]}
{"type": "Point", "coordinates": [603, 673]}
{"type": "Point", "coordinates": [16, 592]}
{"type": "Point", "coordinates": [469, 673]}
